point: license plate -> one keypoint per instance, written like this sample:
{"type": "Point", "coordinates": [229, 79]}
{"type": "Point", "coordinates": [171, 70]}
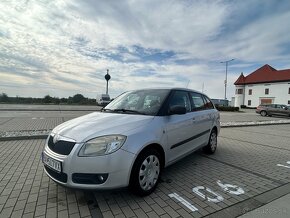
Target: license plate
{"type": "Point", "coordinates": [51, 163]}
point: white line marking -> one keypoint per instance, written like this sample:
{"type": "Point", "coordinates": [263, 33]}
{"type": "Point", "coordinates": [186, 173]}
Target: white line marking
{"type": "Point", "coordinates": [183, 201]}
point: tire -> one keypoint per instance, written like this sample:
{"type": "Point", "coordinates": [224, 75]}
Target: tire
{"type": "Point", "coordinates": [145, 174]}
{"type": "Point", "coordinates": [211, 146]}
{"type": "Point", "coordinates": [263, 113]}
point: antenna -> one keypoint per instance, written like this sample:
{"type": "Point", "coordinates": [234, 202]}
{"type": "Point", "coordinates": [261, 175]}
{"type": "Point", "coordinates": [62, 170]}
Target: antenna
{"type": "Point", "coordinates": [187, 83]}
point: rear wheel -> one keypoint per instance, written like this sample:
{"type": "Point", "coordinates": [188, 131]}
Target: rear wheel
{"type": "Point", "coordinates": [211, 147]}
{"type": "Point", "coordinates": [263, 113]}
{"type": "Point", "coordinates": [145, 173]}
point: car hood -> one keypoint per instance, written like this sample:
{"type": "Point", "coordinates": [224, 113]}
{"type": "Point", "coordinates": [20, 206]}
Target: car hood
{"type": "Point", "coordinates": [97, 124]}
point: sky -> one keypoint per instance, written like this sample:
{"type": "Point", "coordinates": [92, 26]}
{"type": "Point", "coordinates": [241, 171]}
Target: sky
{"type": "Point", "coordinates": [61, 48]}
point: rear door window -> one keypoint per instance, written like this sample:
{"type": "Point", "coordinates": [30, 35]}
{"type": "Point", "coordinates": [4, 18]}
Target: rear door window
{"type": "Point", "coordinates": [197, 102]}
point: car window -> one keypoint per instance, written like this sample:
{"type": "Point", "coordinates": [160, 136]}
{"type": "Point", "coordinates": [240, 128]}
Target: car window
{"type": "Point", "coordinates": [208, 103]}
{"type": "Point", "coordinates": [197, 102]}
{"type": "Point", "coordinates": [180, 98]}
{"type": "Point", "coordinates": [141, 101]}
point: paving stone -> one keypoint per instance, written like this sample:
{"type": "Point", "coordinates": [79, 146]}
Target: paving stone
{"type": "Point", "coordinates": [10, 202]}
{"type": "Point", "coordinates": [127, 211]}
{"type": "Point", "coordinates": [20, 205]}
{"type": "Point", "coordinates": [30, 207]}
{"type": "Point", "coordinates": [17, 214]}
{"type": "Point", "coordinates": [51, 212]}
{"type": "Point", "coordinates": [84, 211]}
{"type": "Point", "coordinates": [40, 210]}
{"type": "Point", "coordinates": [140, 213]}
{"type": "Point", "coordinates": [157, 209]}
{"type": "Point", "coordinates": [63, 214]}
{"type": "Point", "coordinates": [6, 212]}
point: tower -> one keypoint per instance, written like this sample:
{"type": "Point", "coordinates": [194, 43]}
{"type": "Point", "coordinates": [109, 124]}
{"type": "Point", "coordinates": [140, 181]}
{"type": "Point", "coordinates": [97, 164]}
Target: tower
{"type": "Point", "coordinates": [107, 78]}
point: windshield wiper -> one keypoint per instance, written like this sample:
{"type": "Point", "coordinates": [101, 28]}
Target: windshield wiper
{"type": "Point", "coordinates": [106, 109]}
{"type": "Point", "coordinates": [130, 111]}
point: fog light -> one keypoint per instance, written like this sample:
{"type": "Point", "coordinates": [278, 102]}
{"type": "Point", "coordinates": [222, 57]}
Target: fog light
{"type": "Point", "coordinates": [101, 178]}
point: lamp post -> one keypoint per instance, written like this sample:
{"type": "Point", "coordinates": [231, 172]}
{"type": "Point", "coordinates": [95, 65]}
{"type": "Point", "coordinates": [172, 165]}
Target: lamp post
{"type": "Point", "coordinates": [226, 80]}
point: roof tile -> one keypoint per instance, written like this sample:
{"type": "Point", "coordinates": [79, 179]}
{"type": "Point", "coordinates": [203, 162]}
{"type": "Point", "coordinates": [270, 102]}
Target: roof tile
{"type": "Point", "coordinates": [264, 74]}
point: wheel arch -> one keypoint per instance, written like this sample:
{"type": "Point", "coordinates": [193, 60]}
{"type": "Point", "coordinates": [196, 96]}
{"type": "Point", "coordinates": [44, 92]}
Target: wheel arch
{"type": "Point", "coordinates": [215, 129]}
{"type": "Point", "coordinates": [155, 146]}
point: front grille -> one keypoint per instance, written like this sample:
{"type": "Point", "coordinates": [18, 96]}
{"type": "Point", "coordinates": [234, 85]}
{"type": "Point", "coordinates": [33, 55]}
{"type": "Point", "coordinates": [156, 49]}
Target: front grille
{"type": "Point", "coordinates": [89, 178]}
{"type": "Point", "coordinates": [60, 147]}
{"type": "Point", "coordinates": [62, 177]}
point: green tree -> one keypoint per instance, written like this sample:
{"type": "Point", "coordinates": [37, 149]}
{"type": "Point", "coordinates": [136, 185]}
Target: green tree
{"type": "Point", "coordinates": [47, 99]}
{"type": "Point", "coordinates": [78, 98]}
{"type": "Point", "coordinates": [4, 97]}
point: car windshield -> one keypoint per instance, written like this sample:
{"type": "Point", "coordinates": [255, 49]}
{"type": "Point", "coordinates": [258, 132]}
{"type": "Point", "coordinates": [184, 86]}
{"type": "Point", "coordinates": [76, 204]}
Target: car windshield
{"type": "Point", "coordinates": [147, 102]}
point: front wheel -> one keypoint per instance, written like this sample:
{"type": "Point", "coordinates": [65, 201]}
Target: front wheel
{"type": "Point", "coordinates": [145, 173]}
{"type": "Point", "coordinates": [211, 147]}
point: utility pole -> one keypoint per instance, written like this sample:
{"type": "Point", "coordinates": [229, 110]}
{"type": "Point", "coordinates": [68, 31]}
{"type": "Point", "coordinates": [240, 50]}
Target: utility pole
{"type": "Point", "coordinates": [226, 80]}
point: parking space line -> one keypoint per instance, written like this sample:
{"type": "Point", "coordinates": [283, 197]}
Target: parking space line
{"type": "Point", "coordinates": [270, 146]}
{"type": "Point", "coordinates": [261, 133]}
{"type": "Point", "coordinates": [245, 170]}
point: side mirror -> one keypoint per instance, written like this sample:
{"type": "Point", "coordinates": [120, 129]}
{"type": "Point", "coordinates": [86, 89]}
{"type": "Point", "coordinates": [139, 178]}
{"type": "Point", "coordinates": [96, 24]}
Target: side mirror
{"type": "Point", "coordinates": [177, 109]}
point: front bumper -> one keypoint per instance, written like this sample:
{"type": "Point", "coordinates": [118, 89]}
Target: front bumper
{"type": "Point", "coordinates": [115, 168]}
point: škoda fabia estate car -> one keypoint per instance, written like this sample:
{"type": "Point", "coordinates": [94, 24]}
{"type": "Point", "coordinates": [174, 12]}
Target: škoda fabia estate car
{"type": "Point", "coordinates": [131, 140]}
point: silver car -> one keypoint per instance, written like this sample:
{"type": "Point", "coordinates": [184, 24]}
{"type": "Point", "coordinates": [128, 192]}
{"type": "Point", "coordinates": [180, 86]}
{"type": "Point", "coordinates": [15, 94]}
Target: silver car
{"type": "Point", "coordinates": [131, 140]}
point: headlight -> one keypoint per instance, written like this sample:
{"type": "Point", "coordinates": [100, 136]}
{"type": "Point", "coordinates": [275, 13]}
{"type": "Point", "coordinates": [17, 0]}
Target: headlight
{"type": "Point", "coordinates": [102, 145]}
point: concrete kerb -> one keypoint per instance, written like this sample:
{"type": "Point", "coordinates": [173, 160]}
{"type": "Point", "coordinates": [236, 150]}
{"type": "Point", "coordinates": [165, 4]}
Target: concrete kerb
{"type": "Point", "coordinates": [23, 137]}
{"type": "Point", "coordinates": [223, 125]}
{"type": "Point", "coordinates": [264, 123]}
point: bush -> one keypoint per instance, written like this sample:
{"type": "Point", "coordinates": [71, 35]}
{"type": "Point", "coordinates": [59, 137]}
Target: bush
{"type": "Point", "coordinates": [243, 106]}
{"type": "Point", "coordinates": [227, 108]}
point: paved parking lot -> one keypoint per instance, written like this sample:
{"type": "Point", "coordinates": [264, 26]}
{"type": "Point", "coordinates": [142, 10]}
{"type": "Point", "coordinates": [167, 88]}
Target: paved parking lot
{"type": "Point", "coordinates": [248, 170]}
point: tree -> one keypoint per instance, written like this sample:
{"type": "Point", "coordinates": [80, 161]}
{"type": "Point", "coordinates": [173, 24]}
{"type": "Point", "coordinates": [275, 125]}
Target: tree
{"type": "Point", "coordinates": [47, 99]}
{"type": "Point", "coordinates": [78, 98]}
{"type": "Point", "coordinates": [4, 97]}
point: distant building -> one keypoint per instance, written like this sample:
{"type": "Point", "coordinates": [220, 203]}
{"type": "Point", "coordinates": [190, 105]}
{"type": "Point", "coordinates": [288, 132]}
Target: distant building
{"type": "Point", "coordinates": [266, 85]}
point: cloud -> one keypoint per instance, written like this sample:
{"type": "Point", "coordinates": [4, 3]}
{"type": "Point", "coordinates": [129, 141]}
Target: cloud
{"type": "Point", "coordinates": [64, 47]}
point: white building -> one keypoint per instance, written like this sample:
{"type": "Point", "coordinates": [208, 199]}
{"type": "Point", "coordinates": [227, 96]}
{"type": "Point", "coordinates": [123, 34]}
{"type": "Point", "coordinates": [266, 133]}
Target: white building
{"type": "Point", "coordinates": [266, 85]}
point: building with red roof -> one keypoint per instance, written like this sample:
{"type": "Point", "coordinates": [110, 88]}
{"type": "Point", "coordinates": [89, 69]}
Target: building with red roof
{"type": "Point", "coordinates": [265, 85]}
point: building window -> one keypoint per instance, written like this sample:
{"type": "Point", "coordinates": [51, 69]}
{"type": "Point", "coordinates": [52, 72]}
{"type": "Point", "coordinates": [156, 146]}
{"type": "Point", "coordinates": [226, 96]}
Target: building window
{"type": "Point", "coordinates": [240, 91]}
{"type": "Point", "coordinates": [288, 101]}
{"type": "Point", "coordinates": [266, 91]}
{"type": "Point", "coordinates": [289, 90]}
{"type": "Point", "coordinates": [249, 102]}
{"type": "Point", "coordinates": [250, 91]}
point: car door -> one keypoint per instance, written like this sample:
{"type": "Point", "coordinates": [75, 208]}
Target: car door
{"type": "Point", "coordinates": [284, 110]}
{"type": "Point", "coordinates": [203, 112]}
{"type": "Point", "coordinates": [182, 135]}
{"type": "Point", "coordinates": [279, 110]}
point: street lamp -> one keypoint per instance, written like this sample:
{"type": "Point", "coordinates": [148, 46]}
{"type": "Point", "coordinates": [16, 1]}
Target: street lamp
{"type": "Point", "coordinates": [226, 80]}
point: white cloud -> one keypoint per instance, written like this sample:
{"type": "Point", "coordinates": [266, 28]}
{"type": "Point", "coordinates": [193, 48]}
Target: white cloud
{"type": "Point", "coordinates": [64, 47]}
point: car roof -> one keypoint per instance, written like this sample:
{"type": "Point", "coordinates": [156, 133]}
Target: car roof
{"type": "Point", "coordinates": [171, 89]}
